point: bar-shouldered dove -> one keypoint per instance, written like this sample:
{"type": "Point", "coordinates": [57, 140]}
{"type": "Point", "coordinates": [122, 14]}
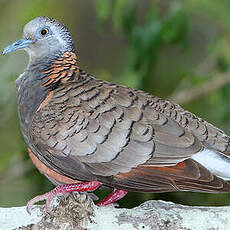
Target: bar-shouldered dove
{"type": "Point", "coordinates": [83, 132]}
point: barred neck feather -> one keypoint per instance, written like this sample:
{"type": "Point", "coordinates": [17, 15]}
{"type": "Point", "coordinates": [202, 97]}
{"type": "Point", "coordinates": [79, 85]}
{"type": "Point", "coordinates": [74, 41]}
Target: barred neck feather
{"type": "Point", "coordinates": [39, 79]}
{"type": "Point", "coordinates": [61, 70]}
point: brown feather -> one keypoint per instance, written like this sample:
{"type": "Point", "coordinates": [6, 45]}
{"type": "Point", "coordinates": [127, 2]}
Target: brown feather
{"type": "Point", "coordinates": [185, 176]}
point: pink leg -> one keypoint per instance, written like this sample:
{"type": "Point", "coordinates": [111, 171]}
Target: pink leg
{"type": "Point", "coordinates": [61, 190]}
{"type": "Point", "coordinates": [117, 194]}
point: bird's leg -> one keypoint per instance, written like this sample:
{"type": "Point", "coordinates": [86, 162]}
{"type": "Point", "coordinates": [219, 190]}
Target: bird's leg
{"type": "Point", "coordinates": [61, 190]}
{"type": "Point", "coordinates": [117, 194]}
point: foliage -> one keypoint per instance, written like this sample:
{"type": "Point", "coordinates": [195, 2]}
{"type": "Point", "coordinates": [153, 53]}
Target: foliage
{"type": "Point", "coordinates": [146, 33]}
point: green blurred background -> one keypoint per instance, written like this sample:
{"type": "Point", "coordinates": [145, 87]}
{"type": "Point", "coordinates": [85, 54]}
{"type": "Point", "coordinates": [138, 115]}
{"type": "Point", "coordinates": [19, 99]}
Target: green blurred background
{"type": "Point", "coordinates": [171, 48]}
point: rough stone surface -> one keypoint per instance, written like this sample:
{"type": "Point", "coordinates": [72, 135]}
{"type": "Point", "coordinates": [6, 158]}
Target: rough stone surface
{"type": "Point", "coordinates": [11, 218]}
{"type": "Point", "coordinates": [78, 212]}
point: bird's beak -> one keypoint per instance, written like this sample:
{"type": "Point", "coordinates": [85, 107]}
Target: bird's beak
{"type": "Point", "coordinates": [20, 44]}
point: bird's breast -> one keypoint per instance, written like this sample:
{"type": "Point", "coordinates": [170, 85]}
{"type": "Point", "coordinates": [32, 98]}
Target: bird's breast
{"type": "Point", "coordinates": [29, 97]}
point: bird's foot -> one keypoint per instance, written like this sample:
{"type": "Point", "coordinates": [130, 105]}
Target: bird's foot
{"type": "Point", "coordinates": [61, 190]}
{"type": "Point", "coordinates": [117, 194]}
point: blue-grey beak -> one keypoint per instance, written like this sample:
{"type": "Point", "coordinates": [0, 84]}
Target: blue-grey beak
{"type": "Point", "coordinates": [20, 44]}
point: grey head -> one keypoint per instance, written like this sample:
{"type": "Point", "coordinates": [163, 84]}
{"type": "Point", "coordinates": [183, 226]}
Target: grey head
{"type": "Point", "coordinates": [43, 37]}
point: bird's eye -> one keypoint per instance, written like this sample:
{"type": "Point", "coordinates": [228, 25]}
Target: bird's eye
{"type": "Point", "coordinates": [44, 31]}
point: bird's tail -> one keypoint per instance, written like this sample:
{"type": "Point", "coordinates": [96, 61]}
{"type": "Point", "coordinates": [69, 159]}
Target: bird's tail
{"type": "Point", "coordinates": [188, 175]}
{"type": "Point", "coordinates": [217, 163]}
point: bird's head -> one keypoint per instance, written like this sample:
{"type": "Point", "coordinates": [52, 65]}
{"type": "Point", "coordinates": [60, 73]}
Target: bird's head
{"type": "Point", "coordinates": [43, 37]}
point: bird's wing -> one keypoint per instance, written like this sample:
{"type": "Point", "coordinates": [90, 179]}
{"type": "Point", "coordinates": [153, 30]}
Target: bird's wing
{"type": "Point", "coordinates": [106, 130]}
{"type": "Point", "coordinates": [210, 136]}
{"type": "Point", "coordinates": [187, 175]}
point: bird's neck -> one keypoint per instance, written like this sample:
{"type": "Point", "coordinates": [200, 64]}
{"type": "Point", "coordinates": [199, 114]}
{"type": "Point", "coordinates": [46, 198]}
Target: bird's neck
{"type": "Point", "coordinates": [39, 78]}
{"type": "Point", "coordinates": [43, 63]}
{"type": "Point", "coordinates": [55, 70]}
{"type": "Point", "coordinates": [61, 70]}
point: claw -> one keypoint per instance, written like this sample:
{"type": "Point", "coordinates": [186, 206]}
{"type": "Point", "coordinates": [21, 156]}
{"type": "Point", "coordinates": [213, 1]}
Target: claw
{"type": "Point", "coordinates": [81, 187]}
{"type": "Point", "coordinates": [117, 194]}
{"type": "Point", "coordinates": [61, 190]}
{"type": "Point", "coordinates": [48, 197]}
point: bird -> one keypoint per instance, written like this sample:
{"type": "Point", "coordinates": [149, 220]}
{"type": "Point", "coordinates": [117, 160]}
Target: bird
{"type": "Point", "coordinates": [83, 133]}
